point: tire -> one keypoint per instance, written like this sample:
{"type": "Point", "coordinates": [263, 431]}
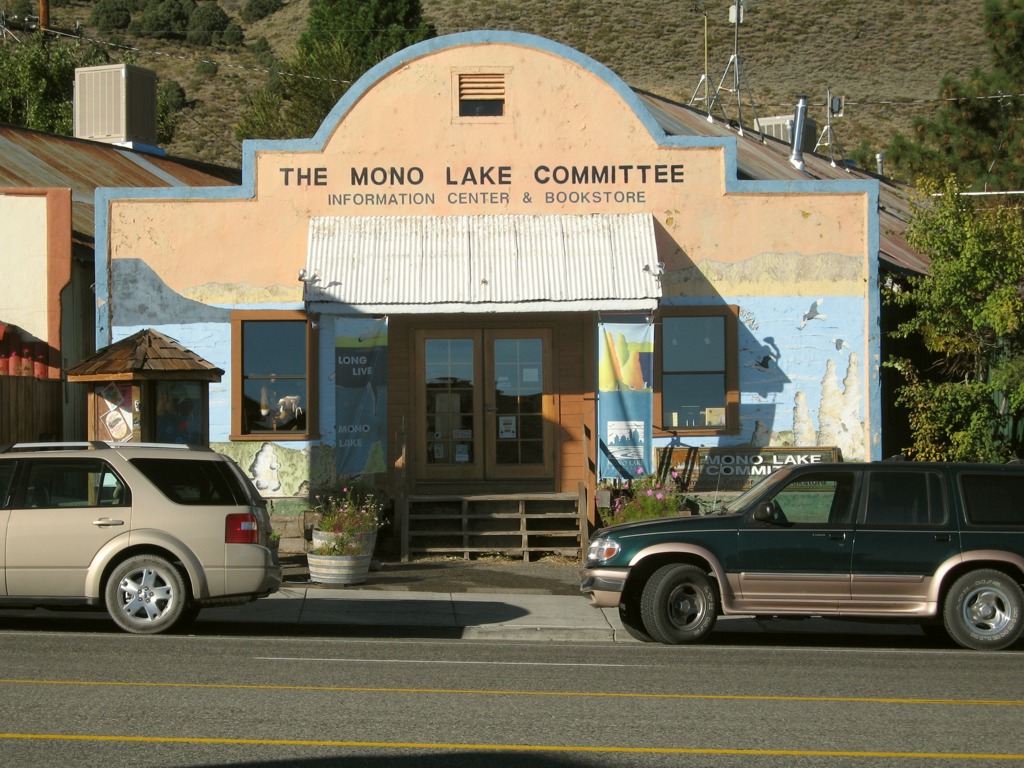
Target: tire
{"type": "Point", "coordinates": [146, 595]}
{"type": "Point", "coordinates": [983, 610]}
{"type": "Point", "coordinates": [629, 615]}
{"type": "Point", "coordinates": [679, 604]}
{"type": "Point", "coordinates": [188, 616]}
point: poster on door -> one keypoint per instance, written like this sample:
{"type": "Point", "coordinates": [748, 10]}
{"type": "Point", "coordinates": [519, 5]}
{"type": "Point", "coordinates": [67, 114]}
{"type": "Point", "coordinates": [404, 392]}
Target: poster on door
{"type": "Point", "coordinates": [625, 399]}
{"type": "Point", "coordinates": [360, 394]}
{"type": "Point", "coordinates": [114, 413]}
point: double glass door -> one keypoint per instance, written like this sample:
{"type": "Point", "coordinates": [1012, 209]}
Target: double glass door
{"type": "Point", "coordinates": [483, 404]}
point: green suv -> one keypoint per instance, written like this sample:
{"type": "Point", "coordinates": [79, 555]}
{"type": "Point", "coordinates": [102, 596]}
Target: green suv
{"type": "Point", "coordinates": [941, 545]}
{"type": "Point", "coordinates": [152, 533]}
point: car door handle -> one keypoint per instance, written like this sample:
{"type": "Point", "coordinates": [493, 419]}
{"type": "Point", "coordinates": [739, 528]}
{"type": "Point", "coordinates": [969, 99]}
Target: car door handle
{"type": "Point", "coordinates": [841, 536]}
{"type": "Point", "coordinates": [106, 522]}
{"type": "Point", "coordinates": [942, 538]}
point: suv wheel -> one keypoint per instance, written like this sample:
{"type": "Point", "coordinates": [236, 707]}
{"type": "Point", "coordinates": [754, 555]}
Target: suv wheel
{"type": "Point", "coordinates": [629, 615]}
{"type": "Point", "coordinates": [678, 604]}
{"type": "Point", "coordinates": [983, 610]}
{"type": "Point", "coordinates": [146, 595]}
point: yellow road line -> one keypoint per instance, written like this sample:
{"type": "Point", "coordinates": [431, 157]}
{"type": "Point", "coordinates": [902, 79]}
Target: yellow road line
{"type": "Point", "coordinates": [567, 694]}
{"type": "Point", "coordinates": [510, 747]}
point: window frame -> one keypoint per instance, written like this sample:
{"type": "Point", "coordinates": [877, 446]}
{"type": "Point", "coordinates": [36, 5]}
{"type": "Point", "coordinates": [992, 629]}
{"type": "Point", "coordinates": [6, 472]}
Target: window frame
{"type": "Point", "coordinates": [730, 315]}
{"type": "Point", "coordinates": [238, 319]}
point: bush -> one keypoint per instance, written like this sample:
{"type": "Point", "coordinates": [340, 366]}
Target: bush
{"type": "Point", "coordinates": [254, 10]}
{"type": "Point", "coordinates": [162, 19]}
{"type": "Point", "coordinates": [206, 24]}
{"type": "Point", "coordinates": [206, 68]}
{"type": "Point", "coordinates": [645, 498]}
{"type": "Point", "coordinates": [233, 35]}
{"type": "Point", "coordinates": [108, 15]}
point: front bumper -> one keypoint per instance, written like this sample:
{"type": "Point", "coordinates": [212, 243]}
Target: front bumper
{"type": "Point", "coordinates": [603, 586]}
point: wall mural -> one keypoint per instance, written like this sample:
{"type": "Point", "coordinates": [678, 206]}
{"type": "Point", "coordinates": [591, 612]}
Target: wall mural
{"type": "Point", "coordinates": [279, 471]}
{"type": "Point", "coordinates": [801, 382]}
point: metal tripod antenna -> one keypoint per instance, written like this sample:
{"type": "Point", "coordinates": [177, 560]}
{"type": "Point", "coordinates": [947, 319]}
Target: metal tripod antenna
{"type": "Point", "coordinates": [739, 78]}
{"type": "Point", "coordinates": [699, 7]}
{"type": "Point", "coordinates": [833, 108]}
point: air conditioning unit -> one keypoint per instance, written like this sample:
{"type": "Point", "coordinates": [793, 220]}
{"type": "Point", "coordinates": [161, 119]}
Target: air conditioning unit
{"type": "Point", "coordinates": [116, 103]}
{"type": "Point", "coordinates": [781, 127]}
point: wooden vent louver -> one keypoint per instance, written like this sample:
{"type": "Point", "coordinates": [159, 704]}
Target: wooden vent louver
{"type": "Point", "coordinates": [484, 86]}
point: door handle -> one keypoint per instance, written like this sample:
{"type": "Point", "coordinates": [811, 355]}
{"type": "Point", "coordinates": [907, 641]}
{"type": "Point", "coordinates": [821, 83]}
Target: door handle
{"type": "Point", "coordinates": [942, 538]}
{"type": "Point", "coordinates": [106, 522]}
{"type": "Point", "coordinates": [837, 536]}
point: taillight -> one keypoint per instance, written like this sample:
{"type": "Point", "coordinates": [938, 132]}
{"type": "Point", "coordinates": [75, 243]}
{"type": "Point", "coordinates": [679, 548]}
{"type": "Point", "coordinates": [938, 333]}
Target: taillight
{"type": "Point", "coordinates": [241, 528]}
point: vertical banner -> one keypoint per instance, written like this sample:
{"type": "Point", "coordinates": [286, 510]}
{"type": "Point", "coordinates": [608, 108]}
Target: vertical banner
{"type": "Point", "coordinates": [360, 394]}
{"type": "Point", "coordinates": [625, 399]}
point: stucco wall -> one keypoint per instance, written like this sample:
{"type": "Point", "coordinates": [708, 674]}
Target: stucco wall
{"type": "Point", "coordinates": [25, 263]}
{"type": "Point", "coordinates": [184, 258]}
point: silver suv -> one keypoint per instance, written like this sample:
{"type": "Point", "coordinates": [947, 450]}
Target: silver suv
{"type": "Point", "coordinates": [151, 532]}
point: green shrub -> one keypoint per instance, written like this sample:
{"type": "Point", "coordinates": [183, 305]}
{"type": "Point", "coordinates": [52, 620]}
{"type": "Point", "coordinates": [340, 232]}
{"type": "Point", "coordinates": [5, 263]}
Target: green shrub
{"type": "Point", "coordinates": [206, 24]}
{"type": "Point", "coordinates": [108, 15]}
{"type": "Point", "coordinates": [254, 10]}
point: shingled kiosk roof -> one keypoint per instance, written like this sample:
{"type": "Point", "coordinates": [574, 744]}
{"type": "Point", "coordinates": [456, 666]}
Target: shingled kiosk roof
{"type": "Point", "coordinates": [144, 355]}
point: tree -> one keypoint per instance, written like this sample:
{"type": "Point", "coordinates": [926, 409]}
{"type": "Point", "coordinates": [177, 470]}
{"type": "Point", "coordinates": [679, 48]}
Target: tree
{"type": "Point", "coordinates": [254, 10]}
{"type": "Point", "coordinates": [164, 19]}
{"type": "Point", "coordinates": [371, 30]}
{"type": "Point", "coordinates": [977, 133]}
{"type": "Point", "coordinates": [37, 81]}
{"type": "Point", "coordinates": [969, 313]}
{"type": "Point", "coordinates": [110, 15]}
{"type": "Point", "coordinates": [170, 100]}
{"type": "Point", "coordinates": [342, 39]}
{"type": "Point", "coordinates": [207, 23]}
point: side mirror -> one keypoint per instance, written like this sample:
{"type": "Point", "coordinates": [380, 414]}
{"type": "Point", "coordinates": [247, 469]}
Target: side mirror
{"type": "Point", "coordinates": [763, 513]}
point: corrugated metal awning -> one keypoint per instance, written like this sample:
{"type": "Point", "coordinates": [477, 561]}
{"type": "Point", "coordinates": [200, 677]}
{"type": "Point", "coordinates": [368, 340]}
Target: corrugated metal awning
{"type": "Point", "coordinates": [430, 264]}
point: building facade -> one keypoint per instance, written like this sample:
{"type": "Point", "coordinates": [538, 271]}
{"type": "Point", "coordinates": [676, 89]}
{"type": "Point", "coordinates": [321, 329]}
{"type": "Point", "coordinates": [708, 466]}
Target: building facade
{"type": "Point", "coordinates": [493, 271]}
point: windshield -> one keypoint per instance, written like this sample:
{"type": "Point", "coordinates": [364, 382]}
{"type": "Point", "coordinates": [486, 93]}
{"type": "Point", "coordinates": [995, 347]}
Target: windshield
{"type": "Point", "coordinates": [744, 500]}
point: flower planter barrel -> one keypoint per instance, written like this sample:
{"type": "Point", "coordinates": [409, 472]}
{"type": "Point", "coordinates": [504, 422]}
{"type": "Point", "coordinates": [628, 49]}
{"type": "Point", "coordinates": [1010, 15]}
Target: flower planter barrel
{"type": "Point", "coordinates": [338, 569]}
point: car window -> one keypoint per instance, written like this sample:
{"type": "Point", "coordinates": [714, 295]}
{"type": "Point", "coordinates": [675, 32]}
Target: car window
{"type": "Point", "coordinates": [816, 498]}
{"type": "Point", "coordinates": [6, 475]}
{"type": "Point", "coordinates": [993, 499]}
{"type": "Point", "coordinates": [73, 483]}
{"type": "Point", "coordinates": [206, 483]}
{"type": "Point", "coordinates": [905, 499]}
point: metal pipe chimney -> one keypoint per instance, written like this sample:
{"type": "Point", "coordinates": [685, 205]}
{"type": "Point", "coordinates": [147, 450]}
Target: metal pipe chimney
{"type": "Point", "coordinates": [796, 156]}
{"type": "Point", "coordinates": [880, 163]}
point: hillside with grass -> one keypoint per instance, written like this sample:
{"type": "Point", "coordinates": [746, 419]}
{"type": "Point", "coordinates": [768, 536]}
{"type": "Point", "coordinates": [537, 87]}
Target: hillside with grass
{"type": "Point", "coordinates": [887, 60]}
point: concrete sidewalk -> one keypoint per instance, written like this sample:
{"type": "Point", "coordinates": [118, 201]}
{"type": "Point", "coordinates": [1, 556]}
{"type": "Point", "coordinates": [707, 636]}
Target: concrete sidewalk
{"type": "Point", "coordinates": [468, 615]}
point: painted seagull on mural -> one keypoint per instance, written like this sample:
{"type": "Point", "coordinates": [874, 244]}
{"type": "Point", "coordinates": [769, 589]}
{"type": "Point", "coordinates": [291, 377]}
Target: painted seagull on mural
{"type": "Point", "coordinates": [840, 344]}
{"type": "Point", "coordinates": [813, 314]}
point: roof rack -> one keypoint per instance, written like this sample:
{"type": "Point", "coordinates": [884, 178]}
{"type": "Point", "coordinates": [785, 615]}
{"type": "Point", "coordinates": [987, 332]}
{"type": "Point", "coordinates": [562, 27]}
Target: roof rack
{"type": "Point", "coordinates": [95, 445]}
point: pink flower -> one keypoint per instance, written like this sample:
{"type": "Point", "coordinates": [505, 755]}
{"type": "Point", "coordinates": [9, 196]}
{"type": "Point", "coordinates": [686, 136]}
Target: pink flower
{"type": "Point", "coordinates": [650, 492]}
{"type": "Point", "coordinates": [639, 470]}
{"type": "Point", "coordinates": [661, 496]}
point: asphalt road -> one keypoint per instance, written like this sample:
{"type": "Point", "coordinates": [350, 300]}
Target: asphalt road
{"type": "Point", "coordinates": [85, 698]}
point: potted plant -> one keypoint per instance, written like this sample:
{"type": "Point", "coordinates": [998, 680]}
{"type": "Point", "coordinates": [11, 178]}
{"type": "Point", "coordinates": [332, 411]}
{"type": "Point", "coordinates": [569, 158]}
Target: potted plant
{"type": "Point", "coordinates": [344, 534]}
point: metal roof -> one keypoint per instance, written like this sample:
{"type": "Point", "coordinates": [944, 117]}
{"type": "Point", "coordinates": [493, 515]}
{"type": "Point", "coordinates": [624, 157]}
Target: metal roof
{"type": "Point", "coordinates": [765, 158]}
{"type": "Point", "coordinates": [487, 263]}
{"type": "Point", "coordinates": [45, 160]}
